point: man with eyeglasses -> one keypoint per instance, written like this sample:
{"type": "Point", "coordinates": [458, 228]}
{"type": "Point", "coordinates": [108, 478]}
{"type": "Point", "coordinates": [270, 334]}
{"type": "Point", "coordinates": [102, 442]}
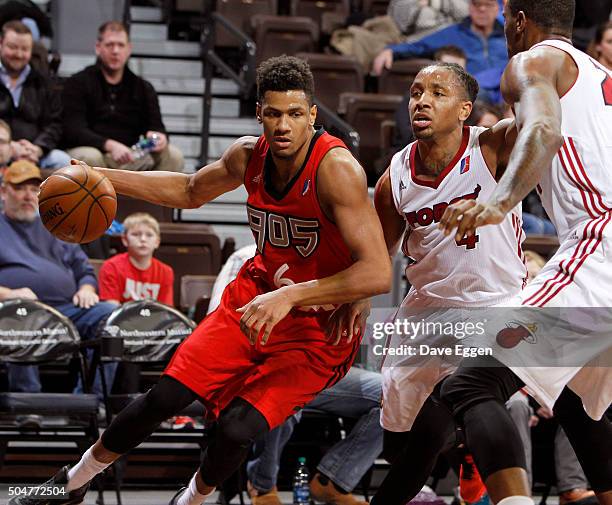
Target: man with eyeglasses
{"type": "Point", "coordinates": [35, 265]}
{"type": "Point", "coordinates": [480, 36]}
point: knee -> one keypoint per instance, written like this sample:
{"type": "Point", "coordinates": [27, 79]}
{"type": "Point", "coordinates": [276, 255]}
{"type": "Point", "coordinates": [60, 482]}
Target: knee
{"type": "Point", "coordinates": [158, 401]}
{"type": "Point", "coordinates": [89, 155]}
{"type": "Point", "coordinates": [170, 159]}
{"type": "Point", "coordinates": [519, 410]}
{"type": "Point", "coordinates": [240, 424]}
{"type": "Point", "coordinates": [55, 159]}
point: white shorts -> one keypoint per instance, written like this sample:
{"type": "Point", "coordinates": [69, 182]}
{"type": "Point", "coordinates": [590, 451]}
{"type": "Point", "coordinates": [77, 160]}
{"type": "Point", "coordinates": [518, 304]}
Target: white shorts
{"type": "Point", "coordinates": [578, 275]}
{"type": "Point", "coordinates": [407, 381]}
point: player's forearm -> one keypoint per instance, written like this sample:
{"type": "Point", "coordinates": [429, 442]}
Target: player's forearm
{"type": "Point", "coordinates": [170, 189]}
{"type": "Point", "coordinates": [534, 150]}
{"type": "Point", "coordinates": [360, 280]}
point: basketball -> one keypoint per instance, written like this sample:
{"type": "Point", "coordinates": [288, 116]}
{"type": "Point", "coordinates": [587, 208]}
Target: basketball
{"type": "Point", "coordinates": [77, 204]}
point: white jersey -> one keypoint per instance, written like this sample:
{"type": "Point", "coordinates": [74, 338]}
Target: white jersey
{"type": "Point", "coordinates": [578, 187]}
{"type": "Point", "coordinates": [576, 191]}
{"type": "Point", "coordinates": [483, 270]}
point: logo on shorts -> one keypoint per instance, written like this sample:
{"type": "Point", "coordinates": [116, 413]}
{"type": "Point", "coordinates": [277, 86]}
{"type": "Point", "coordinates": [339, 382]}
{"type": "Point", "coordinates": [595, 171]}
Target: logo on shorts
{"type": "Point", "coordinates": [515, 332]}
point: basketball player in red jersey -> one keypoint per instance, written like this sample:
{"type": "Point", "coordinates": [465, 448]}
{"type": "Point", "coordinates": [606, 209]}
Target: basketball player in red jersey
{"type": "Point", "coordinates": [264, 352]}
{"type": "Point", "coordinates": [562, 100]}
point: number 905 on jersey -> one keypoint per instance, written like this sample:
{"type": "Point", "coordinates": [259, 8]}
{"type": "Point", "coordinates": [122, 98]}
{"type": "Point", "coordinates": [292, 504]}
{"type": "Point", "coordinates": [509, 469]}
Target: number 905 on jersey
{"type": "Point", "coordinates": [284, 231]}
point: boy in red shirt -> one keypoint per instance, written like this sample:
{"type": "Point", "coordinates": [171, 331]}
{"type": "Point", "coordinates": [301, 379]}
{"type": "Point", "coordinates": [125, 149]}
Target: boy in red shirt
{"type": "Point", "coordinates": [136, 274]}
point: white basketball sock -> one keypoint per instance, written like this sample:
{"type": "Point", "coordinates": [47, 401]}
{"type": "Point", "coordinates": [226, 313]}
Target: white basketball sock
{"type": "Point", "coordinates": [517, 500]}
{"type": "Point", "coordinates": [191, 495]}
{"type": "Point", "coordinates": [85, 470]}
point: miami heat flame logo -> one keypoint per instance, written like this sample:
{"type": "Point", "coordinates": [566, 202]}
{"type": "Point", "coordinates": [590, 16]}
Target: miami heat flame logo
{"type": "Point", "coordinates": [515, 332]}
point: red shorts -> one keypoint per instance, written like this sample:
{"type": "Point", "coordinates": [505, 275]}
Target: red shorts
{"type": "Point", "coordinates": [218, 363]}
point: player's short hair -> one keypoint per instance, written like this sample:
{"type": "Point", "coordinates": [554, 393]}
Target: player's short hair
{"type": "Point", "coordinates": [547, 13]}
{"type": "Point", "coordinates": [5, 126]}
{"type": "Point", "coordinates": [455, 51]}
{"type": "Point", "coordinates": [467, 80]}
{"type": "Point", "coordinates": [141, 218]}
{"type": "Point", "coordinates": [15, 26]}
{"type": "Point", "coordinates": [284, 73]}
{"type": "Point", "coordinates": [112, 26]}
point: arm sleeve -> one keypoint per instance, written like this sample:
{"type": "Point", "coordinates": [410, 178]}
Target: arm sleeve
{"type": "Point", "coordinates": [110, 285]}
{"type": "Point", "coordinates": [166, 290]}
{"type": "Point", "coordinates": [153, 112]}
{"type": "Point", "coordinates": [76, 127]}
{"type": "Point", "coordinates": [51, 127]}
{"type": "Point", "coordinates": [422, 48]}
{"type": "Point", "coordinates": [81, 268]}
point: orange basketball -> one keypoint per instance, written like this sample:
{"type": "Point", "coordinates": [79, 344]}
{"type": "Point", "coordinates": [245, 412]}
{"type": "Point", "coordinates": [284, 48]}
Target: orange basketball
{"type": "Point", "coordinates": [77, 204]}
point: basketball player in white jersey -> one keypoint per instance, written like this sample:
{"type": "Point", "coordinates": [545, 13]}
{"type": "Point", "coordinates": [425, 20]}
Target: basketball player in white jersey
{"type": "Point", "coordinates": [447, 162]}
{"type": "Point", "coordinates": [563, 104]}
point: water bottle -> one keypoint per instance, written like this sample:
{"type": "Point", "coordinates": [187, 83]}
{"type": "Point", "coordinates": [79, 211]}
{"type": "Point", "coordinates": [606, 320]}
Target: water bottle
{"type": "Point", "coordinates": [301, 486]}
{"type": "Point", "coordinates": [145, 145]}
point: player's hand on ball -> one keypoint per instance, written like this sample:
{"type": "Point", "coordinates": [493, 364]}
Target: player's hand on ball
{"type": "Point", "coordinates": [467, 215]}
{"type": "Point", "coordinates": [262, 313]}
{"type": "Point", "coordinates": [86, 297]}
{"type": "Point", "coordinates": [348, 321]}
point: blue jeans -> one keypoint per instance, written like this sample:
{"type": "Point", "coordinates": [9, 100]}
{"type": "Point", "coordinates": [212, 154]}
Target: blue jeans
{"type": "Point", "coordinates": [356, 396]}
{"type": "Point", "coordinates": [536, 225]}
{"type": "Point", "coordinates": [25, 379]}
{"type": "Point", "coordinates": [55, 159]}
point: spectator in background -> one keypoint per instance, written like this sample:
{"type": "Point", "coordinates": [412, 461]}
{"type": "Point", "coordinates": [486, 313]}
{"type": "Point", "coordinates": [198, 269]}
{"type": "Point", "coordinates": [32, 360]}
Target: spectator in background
{"type": "Point", "coordinates": [28, 102]}
{"type": "Point", "coordinates": [5, 146]}
{"type": "Point", "coordinates": [415, 18]}
{"type": "Point", "coordinates": [601, 46]}
{"type": "Point", "coordinates": [480, 36]}
{"type": "Point", "coordinates": [405, 20]}
{"type": "Point", "coordinates": [108, 107]}
{"type": "Point", "coordinates": [136, 274]}
{"type": "Point", "coordinates": [34, 265]}
{"type": "Point", "coordinates": [589, 15]}
{"type": "Point", "coordinates": [484, 114]}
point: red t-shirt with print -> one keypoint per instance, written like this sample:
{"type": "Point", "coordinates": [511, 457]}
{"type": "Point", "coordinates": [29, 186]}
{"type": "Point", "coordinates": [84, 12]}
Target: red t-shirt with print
{"type": "Point", "coordinates": [120, 280]}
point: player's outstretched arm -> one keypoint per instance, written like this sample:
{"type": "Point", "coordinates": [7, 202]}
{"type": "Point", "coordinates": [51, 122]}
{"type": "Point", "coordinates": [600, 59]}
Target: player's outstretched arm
{"type": "Point", "coordinates": [184, 191]}
{"type": "Point", "coordinates": [530, 83]}
{"type": "Point", "coordinates": [343, 194]}
{"type": "Point", "coordinates": [393, 225]}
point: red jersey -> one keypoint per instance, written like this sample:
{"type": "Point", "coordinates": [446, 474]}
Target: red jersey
{"type": "Point", "coordinates": [120, 280]}
{"type": "Point", "coordinates": [295, 240]}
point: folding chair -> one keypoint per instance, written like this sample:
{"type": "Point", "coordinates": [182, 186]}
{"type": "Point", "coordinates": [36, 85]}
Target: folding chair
{"type": "Point", "coordinates": [145, 332]}
{"type": "Point", "coordinates": [32, 333]}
